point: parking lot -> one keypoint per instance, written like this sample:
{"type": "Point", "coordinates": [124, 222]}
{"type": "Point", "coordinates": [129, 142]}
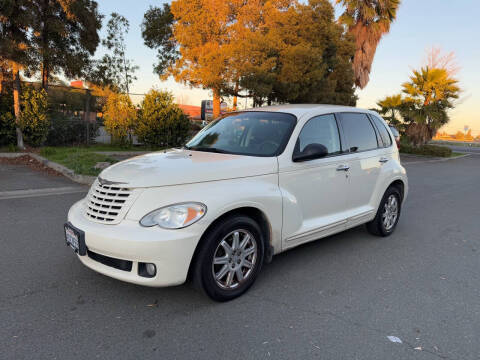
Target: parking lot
{"type": "Point", "coordinates": [336, 298]}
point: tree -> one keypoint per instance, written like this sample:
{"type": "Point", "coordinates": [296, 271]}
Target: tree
{"type": "Point", "coordinates": [368, 21]}
{"type": "Point", "coordinates": [430, 93]}
{"type": "Point", "coordinates": [161, 121]}
{"type": "Point", "coordinates": [15, 19]}
{"type": "Point", "coordinates": [120, 116]}
{"type": "Point", "coordinates": [114, 69]}
{"type": "Point", "coordinates": [390, 107]}
{"type": "Point", "coordinates": [157, 33]}
{"type": "Point", "coordinates": [272, 51]}
{"type": "Point", "coordinates": [296, 54]}
{"type": "Point", "coordinates": [65, 36]}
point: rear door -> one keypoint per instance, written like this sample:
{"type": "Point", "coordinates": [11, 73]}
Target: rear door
{"type": "Point", "coordinates": [364, 162]}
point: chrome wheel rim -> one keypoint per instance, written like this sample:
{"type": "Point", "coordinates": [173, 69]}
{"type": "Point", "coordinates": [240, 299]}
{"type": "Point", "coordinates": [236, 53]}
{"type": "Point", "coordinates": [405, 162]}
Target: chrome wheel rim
{"type": "Point", "coordinates": [234, 259]}
{"type": "Point", "coordinates": [390, 212]}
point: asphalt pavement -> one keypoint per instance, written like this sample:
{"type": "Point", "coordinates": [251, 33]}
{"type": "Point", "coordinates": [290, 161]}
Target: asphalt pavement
{"type": "Point", "coordinates": [340, 297]}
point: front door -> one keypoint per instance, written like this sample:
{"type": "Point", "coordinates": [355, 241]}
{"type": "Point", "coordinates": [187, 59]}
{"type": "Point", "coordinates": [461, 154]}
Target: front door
{"type": "Point", "coordinates": [315, 191]}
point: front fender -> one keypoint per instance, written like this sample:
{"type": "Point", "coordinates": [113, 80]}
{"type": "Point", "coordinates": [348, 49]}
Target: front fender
{"type": "Point", "coordinates": [220, 197]}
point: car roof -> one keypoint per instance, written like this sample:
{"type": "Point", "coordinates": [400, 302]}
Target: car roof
{"type": "Point", "coordinates": [301, 109]}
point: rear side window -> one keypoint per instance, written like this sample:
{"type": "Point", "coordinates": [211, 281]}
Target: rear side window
{"type": "Point", "coordinates": [320, 130]}
{"type": "Point", "coordinates": [384, 135]}
{"type": "Point", "coordinates": [359, 131]}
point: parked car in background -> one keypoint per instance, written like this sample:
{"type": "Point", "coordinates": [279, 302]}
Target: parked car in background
{"type": "Point", "coordinates": [396, 134]}
{"type": "Point", "coordinates": [249, 185]}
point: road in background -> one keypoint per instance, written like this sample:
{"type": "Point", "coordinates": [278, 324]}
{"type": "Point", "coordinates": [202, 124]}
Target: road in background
{"type": "Point", "coordinates": [462, 148]}
{"type": "Point", "coordinates": [336, 298]}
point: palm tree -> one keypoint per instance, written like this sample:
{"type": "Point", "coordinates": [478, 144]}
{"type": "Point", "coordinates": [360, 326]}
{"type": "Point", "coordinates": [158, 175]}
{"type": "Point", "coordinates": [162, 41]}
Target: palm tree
{"type": "Point", "coordinates": [430, 93]}
{"type": "Point", "coordinates": [367, 21]}
{"type": "Point", "coordinates": [391, 105]}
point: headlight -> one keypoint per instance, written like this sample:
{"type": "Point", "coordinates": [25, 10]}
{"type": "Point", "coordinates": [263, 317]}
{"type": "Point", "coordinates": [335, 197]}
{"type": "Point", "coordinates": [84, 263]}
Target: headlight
{"type": "Point", "coordinates": [175, 216]}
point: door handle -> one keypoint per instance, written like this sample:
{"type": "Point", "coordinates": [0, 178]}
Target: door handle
{"type": "Point", "coordinates": [383, 160]}
{"type": "Point", "coordinates": [343, 167]}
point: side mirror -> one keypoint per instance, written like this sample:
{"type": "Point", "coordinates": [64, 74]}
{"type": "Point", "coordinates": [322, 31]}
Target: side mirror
{"type": "Point", "coordinates": [311, 152]}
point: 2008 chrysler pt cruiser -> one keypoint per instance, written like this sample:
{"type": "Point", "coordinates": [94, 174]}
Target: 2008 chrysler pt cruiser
{"type": "Point", "coordinates": [248, 186]}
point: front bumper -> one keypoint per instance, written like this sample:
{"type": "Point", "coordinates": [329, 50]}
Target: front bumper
{"type": "Point", "coordinates": [170, 250]}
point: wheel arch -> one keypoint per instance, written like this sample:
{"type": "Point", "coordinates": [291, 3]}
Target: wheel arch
{"type": "Point", "coordinates": [400, 185]}
{"type": "Point", "coordinates": [250, 211]}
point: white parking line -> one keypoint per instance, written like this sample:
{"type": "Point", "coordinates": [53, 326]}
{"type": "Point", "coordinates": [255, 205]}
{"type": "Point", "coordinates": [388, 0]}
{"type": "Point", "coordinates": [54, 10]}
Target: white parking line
{"type": "Point", "coordinates": [19, 194]}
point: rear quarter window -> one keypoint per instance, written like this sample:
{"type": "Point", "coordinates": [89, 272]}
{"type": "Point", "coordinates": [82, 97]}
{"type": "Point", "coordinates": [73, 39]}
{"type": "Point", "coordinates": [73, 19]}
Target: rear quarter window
{"type": "Point", "coordinates": [384, 135]}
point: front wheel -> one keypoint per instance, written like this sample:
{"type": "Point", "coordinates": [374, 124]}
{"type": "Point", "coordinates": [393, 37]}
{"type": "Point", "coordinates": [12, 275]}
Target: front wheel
{"type": "Point", "coordinates": [388, 214]}
{"type": "Point", "coordinates": [230, 258]}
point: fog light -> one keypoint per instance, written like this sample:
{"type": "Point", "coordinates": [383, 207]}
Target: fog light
{"type": "Point", "coordinates": [151, 270]}
{"type": "Point", "coordinates": [147, 269]}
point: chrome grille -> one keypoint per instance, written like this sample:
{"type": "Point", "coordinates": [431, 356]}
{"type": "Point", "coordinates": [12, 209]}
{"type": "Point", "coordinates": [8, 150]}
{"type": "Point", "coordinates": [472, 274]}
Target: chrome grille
{"type": "Point", "coordinates": [108, 204]}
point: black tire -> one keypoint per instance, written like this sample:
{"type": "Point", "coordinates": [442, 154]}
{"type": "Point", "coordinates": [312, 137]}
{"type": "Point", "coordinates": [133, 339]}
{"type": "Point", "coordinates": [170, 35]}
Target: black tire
{"type": "Point", "coordinates": [203, 276]}
{"type": "Point", "coordinates": [377, 226]}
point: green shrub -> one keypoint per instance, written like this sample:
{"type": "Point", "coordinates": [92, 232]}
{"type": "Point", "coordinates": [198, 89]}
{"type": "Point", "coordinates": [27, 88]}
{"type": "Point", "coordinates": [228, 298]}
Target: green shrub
{"type": "Point", "coordinates": [429, 150]}
{"type": "Point", "coordinates": [34, 121]}
{"type": "Point", "coordinates": [161, 122]}
{"type": "Point", "coordinates": [68, 130]}
{"type": "Point", "coordinates": [7, 120]}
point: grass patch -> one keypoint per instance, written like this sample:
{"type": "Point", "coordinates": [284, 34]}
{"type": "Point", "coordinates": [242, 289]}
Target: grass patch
{"type": "Point", "coordinates": [456, 154]}
{"type": "Point", "coordinates": [109, 147]}
{"type": "Point", "coordinates": [80, 159]}
{"type": "Point", "coordinates": [427, 150]}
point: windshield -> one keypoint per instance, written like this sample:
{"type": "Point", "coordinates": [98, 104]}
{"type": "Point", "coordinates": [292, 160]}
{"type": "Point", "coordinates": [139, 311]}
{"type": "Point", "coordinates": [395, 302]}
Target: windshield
{"type": "Point", "coordinates": [254, 133]}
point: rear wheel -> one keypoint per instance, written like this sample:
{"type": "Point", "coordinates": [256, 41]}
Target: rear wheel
{"type": "Point", "coordinates": [230, 258]}
{"type": "Point", "coordinates": [388, 213]}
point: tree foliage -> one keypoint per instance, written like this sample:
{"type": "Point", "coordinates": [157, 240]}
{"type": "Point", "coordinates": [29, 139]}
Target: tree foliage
{"type": "Point", "coordinates": [273, 51]}
{"type": "Point", "coordinates": [367, 21]}
{"type": "Point", "coordinates": [390, 108]}
{"type": "Point", "coordinates": [296, 54]}
{"type": "Point", "coordinates": [34, 121]}
{"type": "Point", "coordinates": [65, 36]}
{"type": "Point", "coordinates": [157, 33]}
{"type": "Point", "coordinates": [430, 93]}
{"type": "Point", "coordinates": [114, 69]}
{"type": "Point", "coordinates": [423, 105]}
{"type": "Point", "coordinates": [120, 117]}
{"type": "Point", "coordinates": [161, 121]}
{"type": "Point", "coordinates": [16, 17]}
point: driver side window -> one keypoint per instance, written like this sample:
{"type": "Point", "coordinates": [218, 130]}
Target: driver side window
{"type": "Point", "coordinates": [320, 130]}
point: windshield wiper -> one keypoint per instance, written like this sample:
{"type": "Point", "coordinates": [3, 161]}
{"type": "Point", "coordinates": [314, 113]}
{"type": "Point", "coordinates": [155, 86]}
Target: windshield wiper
{"type": "Point", "coordinates": [207, 149]}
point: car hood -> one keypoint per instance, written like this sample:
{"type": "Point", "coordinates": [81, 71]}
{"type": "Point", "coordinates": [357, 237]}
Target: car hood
{"type": "Point", "coordinates": [178, 166]}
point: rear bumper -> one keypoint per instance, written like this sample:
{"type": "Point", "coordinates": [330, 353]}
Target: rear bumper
{"type": "Point", "coordinates": [170, 250]}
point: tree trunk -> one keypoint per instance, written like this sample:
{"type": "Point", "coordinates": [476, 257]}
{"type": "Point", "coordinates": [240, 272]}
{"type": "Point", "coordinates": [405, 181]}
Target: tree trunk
{"type": "Point", "coordinates": [235, 103]}
{"type": "Point", "coordinates": [16, 104]}
{"type": "Point", "coordinates": [216, 104]}
{"type": "Point", "coordinates": [45, 74]}
{"type": "Point", "coordinates": [1, 81]}
{"type": "Point", "coordinates": [235, 97]}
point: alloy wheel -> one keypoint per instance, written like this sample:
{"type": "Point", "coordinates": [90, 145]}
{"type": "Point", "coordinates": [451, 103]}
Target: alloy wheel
{"type": "Point", "coordinates": [234, 259]}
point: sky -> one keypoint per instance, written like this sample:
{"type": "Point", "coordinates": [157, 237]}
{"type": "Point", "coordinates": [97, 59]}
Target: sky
{"type": "Point", "coordinates": [421, 25]}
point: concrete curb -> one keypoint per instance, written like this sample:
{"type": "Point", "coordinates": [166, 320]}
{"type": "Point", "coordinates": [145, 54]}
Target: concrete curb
{"type": "Point", "coordinates": [69, 173]}
{"type": "Point", "coordinates": [434, 160]}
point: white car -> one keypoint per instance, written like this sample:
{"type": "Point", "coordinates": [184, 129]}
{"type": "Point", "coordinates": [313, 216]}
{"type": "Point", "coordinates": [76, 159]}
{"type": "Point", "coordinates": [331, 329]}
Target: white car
{"type": "Point", "coordinates": [248, 186]}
